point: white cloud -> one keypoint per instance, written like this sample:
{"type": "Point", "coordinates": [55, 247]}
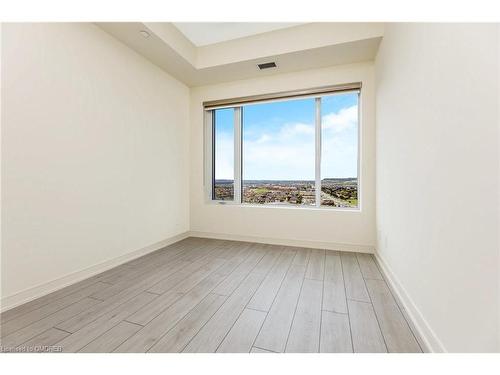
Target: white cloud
{"type": "Point", "coordinates": [286, 153]}
{"type": "Point", "coordinates": [224, 156]}
{"type": "Point", "coordinates": [346, 118]}
{"type": "Point", "coordinates": [296, 129]}
{"type": "Point", "coordinates": [339, 143]}
{"type": "Point", "coordinates": [264, 138]}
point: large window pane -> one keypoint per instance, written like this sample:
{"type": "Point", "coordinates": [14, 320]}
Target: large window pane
{"type": "Point", "coordinates": [278, 152]}
{"type": "Point", "coordinates": [223, 186]}
{"type": "Point", "coordinates": [339, 150]}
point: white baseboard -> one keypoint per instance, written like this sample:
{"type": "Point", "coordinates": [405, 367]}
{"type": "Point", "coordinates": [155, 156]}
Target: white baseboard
{"type": "Point", "coordinates": [425, 335]}
{"type": "Point", "coordinates": [287, 242]}
{"type": "Point", "coordinates": [41, 290]}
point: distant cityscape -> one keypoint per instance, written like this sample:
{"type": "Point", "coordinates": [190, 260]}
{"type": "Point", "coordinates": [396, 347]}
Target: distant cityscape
{"type": "Point", "coordinates": [335, 192]}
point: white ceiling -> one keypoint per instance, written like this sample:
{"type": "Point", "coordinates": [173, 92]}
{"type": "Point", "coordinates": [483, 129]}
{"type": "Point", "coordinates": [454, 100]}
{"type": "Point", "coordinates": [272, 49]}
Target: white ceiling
{"type": "Point", "coordinates": [205, 33]}
{"type": "Point", "coordinates": [307, 46]}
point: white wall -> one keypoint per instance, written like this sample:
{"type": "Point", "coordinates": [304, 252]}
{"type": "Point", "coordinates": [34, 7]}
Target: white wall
{"type": "Point", "coordinates": [437, 186]}
{"type": "Point", "coordinates": [94, 154]}
{"type": "Point", "coordinates": [310, 227]}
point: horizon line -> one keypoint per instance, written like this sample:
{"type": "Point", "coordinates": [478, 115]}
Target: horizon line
{"type": "Point", "coordinates": [326, 178]}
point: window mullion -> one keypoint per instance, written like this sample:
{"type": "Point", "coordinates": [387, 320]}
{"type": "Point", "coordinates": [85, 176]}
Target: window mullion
{"type": "Point", "coordinates": [237, 155]}
{"type": "Point", "coordinates": [209, 149]}
{"type": "Point", "coordinates": [317, 186]}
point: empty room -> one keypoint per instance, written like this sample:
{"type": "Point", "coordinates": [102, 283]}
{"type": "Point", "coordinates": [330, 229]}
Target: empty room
{"type": "Point", "coordinates": [250, 187]}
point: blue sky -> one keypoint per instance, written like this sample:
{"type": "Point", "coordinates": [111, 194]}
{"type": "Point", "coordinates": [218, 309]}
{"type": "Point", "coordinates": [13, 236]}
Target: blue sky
{"type": "Point", "coordinates": [278, 139]}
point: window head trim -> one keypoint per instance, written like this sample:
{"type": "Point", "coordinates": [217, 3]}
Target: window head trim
{"type": "Point", "coordinates": [317, 91]}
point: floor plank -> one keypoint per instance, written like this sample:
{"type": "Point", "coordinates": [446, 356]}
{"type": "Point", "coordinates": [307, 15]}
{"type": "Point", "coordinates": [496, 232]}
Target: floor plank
{"type": "Point", "coordinates": [334, 298]}
{"type": "Point", "coordinates": [316, 266]}
{"type": "Point", "coordinates": [264, 297]}
{"type": "Point", "coordinates": [81, 320]}
{"type": "Point", "coordinates": [111, 339]}
{"type": "Point", "coordinates": [354, 282]}
{"type": "Point", "coordinates": [395, 329]}
{"type": "Point", "coordinates": [276, 327]}
{"type": "Point", "coordinates": [241, 252]}
{"type": "Point", "coordinates": [368, 266]}
{"type": "Point", "coordinates": [196, 277]}
{"type": "Point", "coordinates": [227, 250]}
{"type": "Point", "coordinates": [145, 264]}
{"type": "Point", "coordinates": [34, 329]}
{"type": "Point", "coordinates": [46, 310]}
{"type": "Point", "coordinates": [366, 335]}
{"type": "Point", "coordinates": [179, 336]}
{"type": "Point", "coordinates": [49, 298]}
{"type": "Point", "coordinates": [211, 335]}
{"type": "Point", "coordinates": [44, 300]}
{"type": "Point", "coordinates": [180, 276]}
{"type": "Point", "coordinates": [335, 333]}
{"type": "Point", "coordinates": [165, 270]}
{"type": "Point", "coordinates": [272, 254]}
{"type": "Point", "coordinates": [105, 322]}
{"type": "Point", "coordinates": [48, 338]}
{"type": "Point", "coordinates": [242, 335]}
{"type": "Point", "coordinates": [144, 339]}
{"type": "Point", "coordinates": [305, 331]}
{"type": "Point", "coordinates": [227, 287]}
{"type": "Point", "coordinates": [302, 257]}
{"type": "Point", "coordinates": [259, 350]}
{"type": "Point", "coordinates": [148, 312]}
{"type": "Point", "coordinates": [160, 268]}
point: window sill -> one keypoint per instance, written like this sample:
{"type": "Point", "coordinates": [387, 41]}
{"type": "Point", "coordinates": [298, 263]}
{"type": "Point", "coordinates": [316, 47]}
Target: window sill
{"type": "Point", "coordinates": [282, 206]}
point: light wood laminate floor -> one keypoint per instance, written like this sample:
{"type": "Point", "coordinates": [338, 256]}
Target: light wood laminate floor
{"type": "Point", "coordinates": [202, 295]}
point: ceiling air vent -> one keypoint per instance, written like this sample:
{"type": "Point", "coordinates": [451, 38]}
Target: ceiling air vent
{"type": "Point", "coordinates": [268, 65]}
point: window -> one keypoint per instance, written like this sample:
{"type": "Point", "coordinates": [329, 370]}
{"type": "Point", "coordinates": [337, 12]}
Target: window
{"type": "Point", "coordinates": [339, 150]}
{"type": "Point", "coordinates": [223, 186]}
{"type": "Point", "coordinates": [290, 150]}
{"type": "Point", "coordinates": [278, 152]}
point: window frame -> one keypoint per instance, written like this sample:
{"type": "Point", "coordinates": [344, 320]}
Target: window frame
{"type": "Point", "coordinates": [237, 104]}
